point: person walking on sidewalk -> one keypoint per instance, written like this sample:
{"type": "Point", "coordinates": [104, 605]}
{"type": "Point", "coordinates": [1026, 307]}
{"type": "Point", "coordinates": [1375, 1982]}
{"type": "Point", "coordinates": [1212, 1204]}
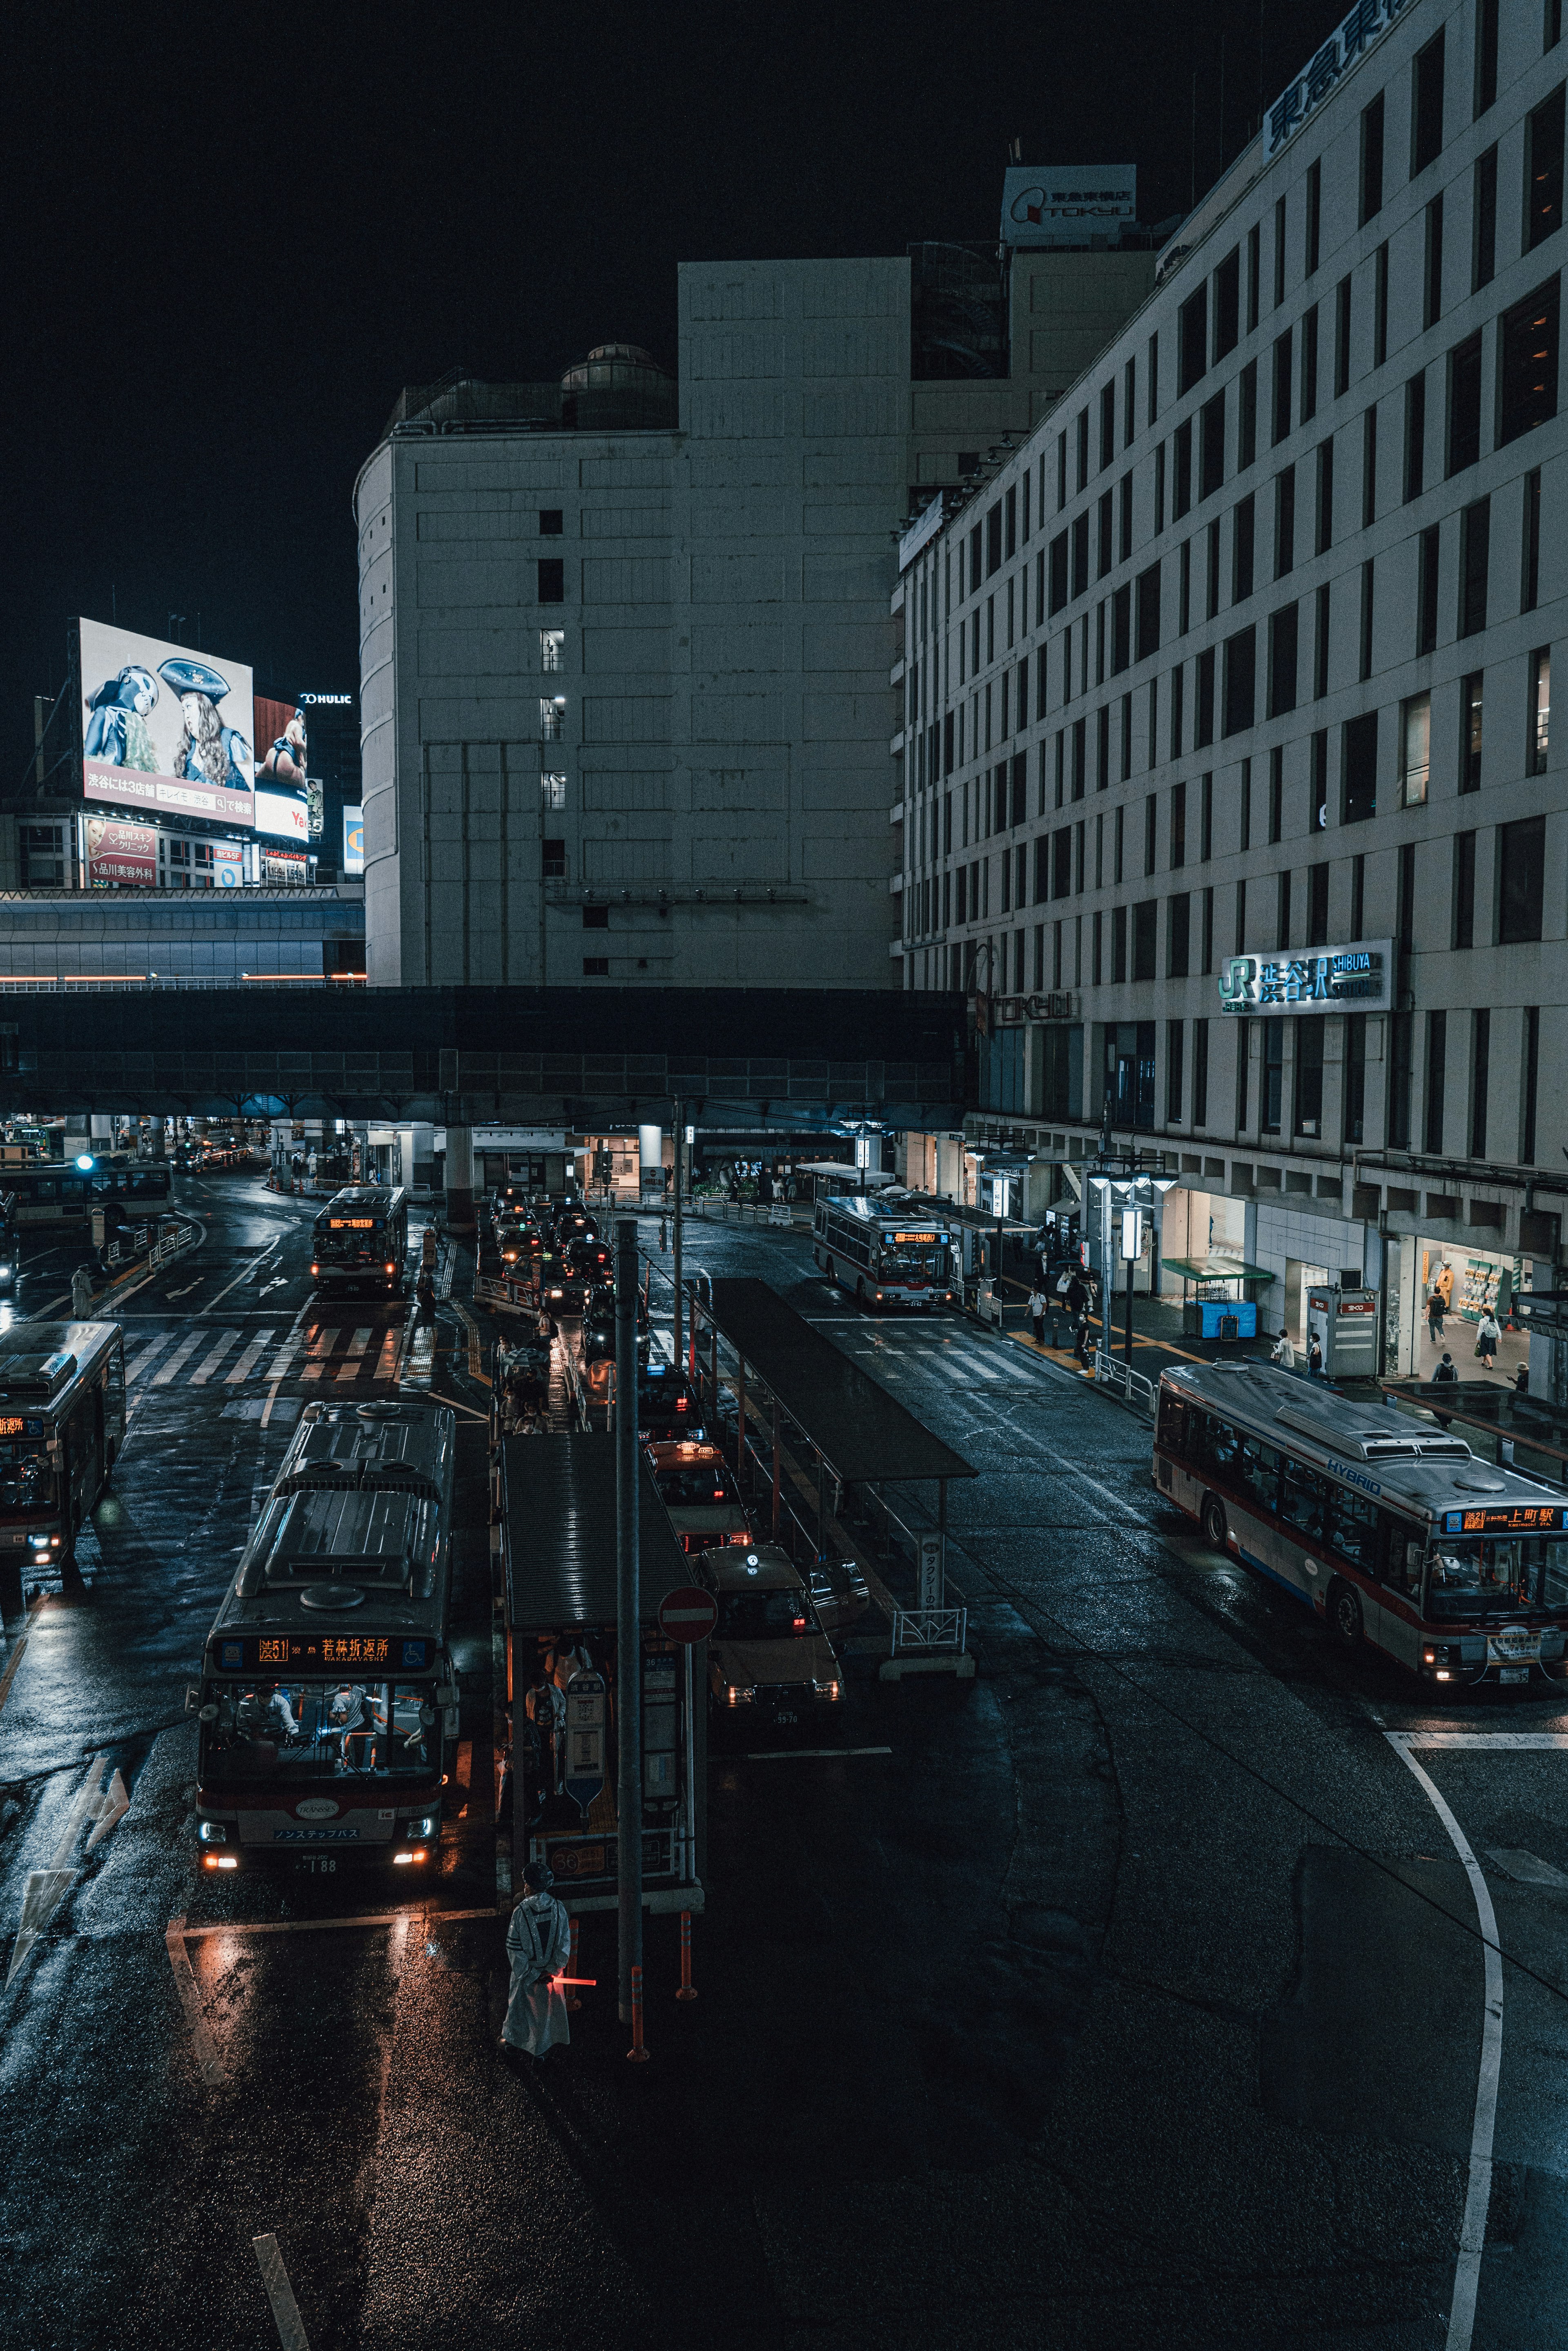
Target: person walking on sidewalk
{"type": "Point", "coordinates": [1284, 1352]}
{"type": "Point", "coordinates": [1436, 1307]}
{"type": "Point", "coordinates": [1038, 1302]}
{"type": "Point", "coordinates": [1489, 1331]}
{"type": "Point", "coordinates": [1445, 1373]}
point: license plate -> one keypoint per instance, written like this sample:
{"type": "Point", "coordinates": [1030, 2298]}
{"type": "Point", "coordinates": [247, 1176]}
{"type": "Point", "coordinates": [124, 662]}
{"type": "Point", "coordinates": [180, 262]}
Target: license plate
{"type": "Point", "coordinates": [1513, 1673]}
{"type": "Point", "coordinates": [786, 1717]}
{"type": "Point", "coordinates": [321, 1864]}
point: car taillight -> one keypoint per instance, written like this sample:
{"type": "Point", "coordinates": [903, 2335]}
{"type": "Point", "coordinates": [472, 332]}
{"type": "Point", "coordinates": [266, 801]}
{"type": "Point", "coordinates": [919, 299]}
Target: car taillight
{"type": "Point", "coordinates": [391, 1268]}
{"type": "Point", "coordinates": [680, 1404]}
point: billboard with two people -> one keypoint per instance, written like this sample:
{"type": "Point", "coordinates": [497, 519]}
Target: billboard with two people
{"type": "Point", "coordinates": [165, 729]}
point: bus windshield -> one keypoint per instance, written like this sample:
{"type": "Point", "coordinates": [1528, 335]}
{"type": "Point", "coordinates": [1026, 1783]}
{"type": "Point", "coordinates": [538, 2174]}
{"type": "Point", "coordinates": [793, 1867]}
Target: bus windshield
{"type": "Point", "coordinates": [27, 1479]}
{"type": "Point", "coordinates": [319, 1730]}
{"type": "Point", "coordinates": [912, 1265]}
{"type": "Point", "coordinates": [1471, 1577]}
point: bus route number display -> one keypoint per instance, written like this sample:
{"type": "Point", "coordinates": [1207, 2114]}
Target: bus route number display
{"type": "Point", "coordinates": [916, 1241]}
{"type": "Point", "coordinates": [1527, 1518]}
{"type": "Point", "coordinates": [13, 1425]}
{"type": "Point", "coordinates": [352, 1224]}
{"type": "Point", "coordinates": [285, 1649]}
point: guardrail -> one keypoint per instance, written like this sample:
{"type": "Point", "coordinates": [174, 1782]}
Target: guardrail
{"type": "Point", "coordinates": [1110, 1372]}
{"type": "Point", "coordinates": [944, 1629]}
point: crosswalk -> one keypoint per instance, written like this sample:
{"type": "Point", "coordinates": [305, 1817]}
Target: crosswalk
{"type": "Point", "coordinates": [314, 1353]}
{"type": "Point", "coordinates": [917, 1356]}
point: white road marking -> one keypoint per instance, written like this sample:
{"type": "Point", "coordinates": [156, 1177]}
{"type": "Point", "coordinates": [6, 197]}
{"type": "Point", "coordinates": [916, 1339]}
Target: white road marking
{"type": "Point", "coordinates": [1525, 1868]}
{"type": "Point", "coordinates": [202, 2049]}
{"type": "Point", "coordinates": [291, 2332]}
{"type": "Point", "coordinates": [349, 1369]}
{"type": "Point", "coordinates": [187, 1289]}
{"type": "Point", "coordinates": [161, 1378]}
{"type": "Point", "coordinates": [790, 1754]}
{"type": "Point", "coordinates": [47, 1888]}
{"type": "Point", "coordinates": [1478, 2196]}
{"type": "Point", "coordinates": [243, 1275]}
{"type": "Point", "coordinates": [391, 1345]}
{"type": "Point", "coordinates": [246, 1363]}
{"type": "Point", "coordinates": [142, 1359]}
{"type": "Point", "coordinates": [112, 1809]}
{"type": "Point", "coordinates": [210, 1362]}
{"type": "Point", "coordinates": [1511, 1742]}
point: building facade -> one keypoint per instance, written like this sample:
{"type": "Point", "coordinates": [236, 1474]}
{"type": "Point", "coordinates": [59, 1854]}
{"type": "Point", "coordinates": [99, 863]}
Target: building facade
{"type": "Point", "coordinates": [625, 646]}
{"type": "Point", "coordinates": [1223, 754]}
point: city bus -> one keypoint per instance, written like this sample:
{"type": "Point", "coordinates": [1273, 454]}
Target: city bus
{"type": "Point", "coordinates": [59, 1193]}
{"type": "Point", "coordinates": [327, 1704]}
{"type": "Point", "coordinates": [1388, 1528]}
{"type": "Point", "coordinates": [886, 1255]}
{"type": "Point", "coordinates": [361, 1241]}
{"type": "Point", "coordinates": [62, 1423]}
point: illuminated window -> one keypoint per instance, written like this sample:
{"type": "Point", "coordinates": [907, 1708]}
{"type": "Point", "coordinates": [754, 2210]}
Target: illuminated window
{"type": "Point", "coordinates": [552, 717]}
{"type": "Point", "coordinates": [552, 792]}
{"type": "Point", "coordinates": [1540, 710]}
{"type": "Point", "coordinates": [552, 649]}
{"type": "Point", "coordinates": [1417, 737]}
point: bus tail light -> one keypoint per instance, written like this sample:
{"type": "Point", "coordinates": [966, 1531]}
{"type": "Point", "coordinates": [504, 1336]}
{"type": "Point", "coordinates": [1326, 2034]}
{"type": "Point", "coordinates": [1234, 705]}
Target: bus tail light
{"type": "Point", "coordinates": [219, 1860]}
{"type": "Point", "coordinates": [391, 1268]}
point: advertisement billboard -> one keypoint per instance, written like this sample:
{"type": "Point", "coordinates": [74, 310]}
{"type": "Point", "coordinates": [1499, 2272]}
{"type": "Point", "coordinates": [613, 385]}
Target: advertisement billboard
{"type": "Point", "coordinates": [117, 854]}
{"type": "Point", "coordinates": [283, 814]}
{"type": "Point", "coordinates": [1067, 203]}
{"type": "Point", "coordinates": [353, 840]}
{"type": "Point", "coordinates": [163, 728]}
{"type": "Point", "coordinates": [283, 753]}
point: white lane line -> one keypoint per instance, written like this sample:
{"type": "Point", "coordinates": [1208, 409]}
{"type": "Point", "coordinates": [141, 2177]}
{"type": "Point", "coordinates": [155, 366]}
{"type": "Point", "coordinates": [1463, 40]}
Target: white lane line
{"type": "Point", "coordinates": [213, 1357]}
{"type": "Point", "coordinates": [275, 1369]}
{"type": "Point", "coordinates": [202, 2049]}
{"type": "Point", "coordinates": [1514, 1742]}
{"type": "Point", "coordinates": [278, 1367]}
{"type": "Point", "coordinates": [246, 1363]}
{"type": "Point", "coordinates": [1478, 2196]}
{"type": "Point", "coordinates": [349, 1369]}
{"type": "Point", "coordinates": [160, 1379]}
{"type": "Point", "coordinates": [972, 1363]}
{"type": "Point", "coordinates": [142, 1360]}
{"type": "Point", "coordinates": [243, 1275]}
{"type": "Point", "coordinates": [280, 2293]}
{"type": "Point", "coordinates": [792, 1754]}
{"type": "Point", "coordinates": [386, 1368]}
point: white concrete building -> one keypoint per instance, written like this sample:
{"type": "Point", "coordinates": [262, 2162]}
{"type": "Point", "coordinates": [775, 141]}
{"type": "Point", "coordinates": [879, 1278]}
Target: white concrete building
{"type": "Point", "coordinates": [624, 666]}
{"type": "Point", "coordinates": [1244, 657]}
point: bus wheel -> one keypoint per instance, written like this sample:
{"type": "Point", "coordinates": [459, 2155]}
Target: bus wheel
{"type": "Point", "coordinates": [1344, 1615]}
{"type": "Point", "coordinates": [1214, 1527]}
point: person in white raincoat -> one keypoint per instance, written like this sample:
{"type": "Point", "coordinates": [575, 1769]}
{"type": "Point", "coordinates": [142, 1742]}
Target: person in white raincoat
{"type": "Point", "coordinates": [538, 1943]}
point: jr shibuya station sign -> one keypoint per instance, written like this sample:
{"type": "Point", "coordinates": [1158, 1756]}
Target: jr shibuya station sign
{"type": "Point", "coordinates": [1357, 979]}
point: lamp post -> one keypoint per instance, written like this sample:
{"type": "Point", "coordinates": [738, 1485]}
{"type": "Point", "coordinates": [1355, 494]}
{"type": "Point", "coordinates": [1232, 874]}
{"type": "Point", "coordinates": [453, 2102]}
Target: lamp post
{"type": "Point", "coordinates": [1132, 1200]}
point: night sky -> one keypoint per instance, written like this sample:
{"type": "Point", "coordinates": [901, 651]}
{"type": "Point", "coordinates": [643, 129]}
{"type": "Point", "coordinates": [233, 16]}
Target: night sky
{"type": "Point", "coordinates": [237, 232]}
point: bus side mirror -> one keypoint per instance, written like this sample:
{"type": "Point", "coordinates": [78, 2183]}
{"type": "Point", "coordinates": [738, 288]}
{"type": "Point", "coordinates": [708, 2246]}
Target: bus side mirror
{"type": "Point", "coordinates": [192, 1697]}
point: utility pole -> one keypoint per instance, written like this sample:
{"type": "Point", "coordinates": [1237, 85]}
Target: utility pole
{"type": "Point", "coordinates": [675, 1348]}
{"type": "Point", "coordinates": [628, 1621]}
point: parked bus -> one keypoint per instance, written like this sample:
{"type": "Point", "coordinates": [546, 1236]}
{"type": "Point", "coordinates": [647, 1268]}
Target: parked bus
{"type": "Point", "coordinates": [62, 1424]}
{"type": "Point", "coordinates": [61, 1193]}
{"type": "Point", "coordinates": [1388, 1528]}
{"type": "Point", "coordinates": [886, 1256]}
{"type": "Point", "coordinates": [361, 1241]}
{"type": "Point", "coordinates": [327, 1703]}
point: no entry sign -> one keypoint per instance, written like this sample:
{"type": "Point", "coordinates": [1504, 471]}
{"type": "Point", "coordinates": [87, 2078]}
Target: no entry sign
{"type": "Point", "coordinates": [688, 1615]}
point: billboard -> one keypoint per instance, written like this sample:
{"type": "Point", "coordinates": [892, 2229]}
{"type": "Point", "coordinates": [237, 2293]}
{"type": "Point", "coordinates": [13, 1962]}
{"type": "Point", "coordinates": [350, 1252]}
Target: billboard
{"type": "Point", "coordinates": [1067, 203]}
{"type": "Point", "coordinates": [353, 840]}
{"type": "Point", "coordinates": [284, 814]}
{"type": "Point", "coordinates": [283, 753]}
{"type": "Point", "coordinates": [165, 729]}
{"type": "Point", "coordinates": [117, 854]}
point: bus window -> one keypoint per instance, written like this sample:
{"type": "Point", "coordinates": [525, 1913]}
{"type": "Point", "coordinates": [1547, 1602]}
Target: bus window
{"type": "Point", "coordinates": [1555, 1595]}
{"type": "Point", "coordinates": [1401, 1556]}
{"type": "Point", "coordinates": [1172, 1423]}
{"type": "Point", "coordinates": [1256, 1472]}
{"type": "Point", "coordinates": [1302, 1499]}
{"type": "Point", "coordinates": [1353, 1529]}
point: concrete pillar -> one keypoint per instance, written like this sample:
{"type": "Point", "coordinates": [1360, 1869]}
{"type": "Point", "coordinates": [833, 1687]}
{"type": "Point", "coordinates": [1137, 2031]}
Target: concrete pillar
{"type": "Point", "coordinates": [651, 1161]}
{"type": "Point", "coordinates": [102, 1129]}
{"type": "Point", "coordinates": [459, 1178]}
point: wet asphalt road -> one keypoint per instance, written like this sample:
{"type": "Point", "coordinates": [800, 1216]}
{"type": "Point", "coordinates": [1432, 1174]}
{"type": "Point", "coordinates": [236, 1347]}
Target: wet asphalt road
{"type": "Point", "coordinates": [1134, 1997]}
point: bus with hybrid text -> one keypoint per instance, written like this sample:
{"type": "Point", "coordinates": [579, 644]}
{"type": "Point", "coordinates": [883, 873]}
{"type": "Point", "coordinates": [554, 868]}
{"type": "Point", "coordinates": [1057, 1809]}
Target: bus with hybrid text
{"type": "Point", "coordinates": [888, 1254]}
{"type": "Point", "coordinates": [361, 1241]}
{"type": "Point", "coordinates": [1388, 1527]}
{"type": "Point", "coordinates": [62, 1423]}
{"type": "Point", "coordinates": [327, 1703]}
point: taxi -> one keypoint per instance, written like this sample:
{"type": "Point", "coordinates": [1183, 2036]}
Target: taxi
{"type": "Point", "coordinates": [667, 1407]}
{"type": "Point", "coordinates": [767, 1653]}
{"type": "Point", "coordinates": [698, 1492]}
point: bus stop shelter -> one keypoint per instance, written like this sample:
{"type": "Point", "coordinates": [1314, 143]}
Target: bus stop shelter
{"type": "Point", "coordinates": [788, 1371]}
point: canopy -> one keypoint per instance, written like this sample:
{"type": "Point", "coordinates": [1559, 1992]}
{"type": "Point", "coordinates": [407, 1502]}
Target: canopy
{"type": "Point", "coordinates": [1218, 1268]}
{"type": "Point", "coordinates": [559, 1523]}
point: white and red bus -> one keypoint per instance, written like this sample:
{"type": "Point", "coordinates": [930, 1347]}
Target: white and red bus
{"type": "Point", "coordinates": [1388, 1527]}
{"type": "Point", "coordinates": [886, 1257]}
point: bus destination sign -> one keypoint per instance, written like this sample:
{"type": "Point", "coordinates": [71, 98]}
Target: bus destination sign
{"type": "Point", "coordinates": [314, 1652]}
{"type": "Point", "coordinates": [351, 1225]}
{"type": "Point", "coordinates": [13, 1425]}
{"type": "Point", "coordinates": [1523, 1519]}
{"type": "Point", "coordinates": [916, 1241]}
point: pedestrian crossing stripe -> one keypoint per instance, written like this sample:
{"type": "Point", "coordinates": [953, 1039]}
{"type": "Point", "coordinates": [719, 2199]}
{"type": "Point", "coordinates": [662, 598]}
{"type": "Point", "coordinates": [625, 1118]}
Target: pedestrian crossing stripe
{"type": "Point", "coordinates": [332, 1353]}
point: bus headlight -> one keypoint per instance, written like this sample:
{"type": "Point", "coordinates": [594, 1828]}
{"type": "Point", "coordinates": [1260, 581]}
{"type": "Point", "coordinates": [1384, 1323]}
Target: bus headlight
{"type": "Point", "coordinates": [39, 1542]}
{"type": "Point", "coordinates": [425, 1826]}
{"type": "Point", "coordinates": [738, 1694]}
{"type": "Point", "coordinates": [212, 1833]}
{"type": "Point", "coordinates": [826, 1690]}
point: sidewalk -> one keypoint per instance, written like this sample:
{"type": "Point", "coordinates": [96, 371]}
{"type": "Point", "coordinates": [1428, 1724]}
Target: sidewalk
{"type": "Point", "coordinates": [1158, 1341]}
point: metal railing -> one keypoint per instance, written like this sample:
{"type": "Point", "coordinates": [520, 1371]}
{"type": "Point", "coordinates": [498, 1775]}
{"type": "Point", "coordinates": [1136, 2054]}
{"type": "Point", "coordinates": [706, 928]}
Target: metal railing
{"type": "Point", "coordinates": [1110, 1372]}
{"type": "Point", "coordinates": [930, 1628]}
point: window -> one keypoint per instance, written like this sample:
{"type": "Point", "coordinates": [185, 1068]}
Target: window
{"type": "Point", "coordinates": [1082, 435]}
{"type": "Point", "coordinates": [1485, 57]}
{"type": "Point", "coordinates": [1057, 563]}
{"type": "Point", "coordinates": [1247, 416]}
{"type": "Point", "coordinates": [1228, 303]}
{"type": "Point", "coordinates": [1279, 251]}
{"type": "Point", "coordinates": [552, 649]}
{"type": "Point", "coordinates": [1317, 905]}
{"type": "Point", "coordinates": [1154, 406]}
{"type": "Point", "coordinates": [1309, 1114]}
{"type": "Point", "coordinates": [1129, 399]}
{"type": "Point", "coordinates": [1183, 589]}
{"type": "Point", "coordinates": [596, 918]}
{"type": "Point", "coordinates": [1405, 897]}
{"type": "Point", "coordinates": [1358, 765]}
{"type": "Point", "coordinates": [1118, 945]}
{"type": "Point", "coordinates": [552, 522]}
{"type": "Point", "coordinates": [1175, 1038]}
{"type": "Point", "coordinates": [1206, 943]}
{"type": "Point", "coordinates": [1211, 610]}
{"type": "Point", "coordinates": [1368, 615]}
{"type": "Point", "coordinates": [1245, 800]}
{"type": "Point", "coordinates": [1543, 170]}
{"type": "Point", "coordinates": [1531, 1075]}
{"type": "Point", "coordinates": [552, 717]}
{"type": "Point", "coordinates": [1521, 865]}
{"type": "Point", "coordinates": [1200, 1073]}
{"type": "Point", "coordinates": [1192, 339]}
{"type": "Point", "coordinates": [1203, 698]}
{"type": "Point", "coordinates": [1125, 518]}
{"type": "Point", "coordinates": [1415, 435]}
{"type": "Point", "coordinates": [1151, 833]}
{"type": "Point", "coordinates": [1475, 545]}
{"type": "Point", "coordinates": [1320, 779]}
{"type": "Point", "coordinates": [1527, 364]}
{"type": "Point", "coordinates": [1484, 220]}
{"type": "Point", "coordinates": [1464, 404]}
{"type": "Point", "coordinates": [1145, 918]}
{"type": "Point", "coordinates": [1358, 896]}
{"type": "Point", "coordinates": [1010, 524]}
{"type": "Point", "coordinates": [1107, 423]}
{"type": "Point", "coordinates": [1380, 304]}
{"type": "Point", "coordinates": [1369, 467]}
{"type": "Point", "coordinates": [1178, 827]}
{"type": "Point", "coordinates": [993, 539]}
{"type": "Point", "coordinates": [1240, 678]}
{"type": "Point", "coordinates": [1427, 550]}
{"type": "Point", "coordinates": [1273, 1101]}
{"type": "Point", "coordinates": [1416, 749]}
{"type": "Point", "coordinates": [1241, 551]}
{"type": "Point", "coordinates": [1426, 106]}
{"type": "Point", "coordinates": [1178, 935]}
{"type": "Point", "coordinates": [1539, 712]}
{"type": "Point", "coordinates": [1282, 661]}
{"type": "Point", "coordinates": [1243, 1051]}
{"type": "Point", "coordinates": [1282, 408]}
{"type": "Point", "coordinates": [1371, 160]}
{"type": "Point", "coordinates": [1320, 644]}
{"type": "Point", "coordinates": [596, 966]}
{"type": "Point", "coordinates": [1342, 337]}
{"type": "Point", "coordinates": [1464, 890]}
{"type": "Point", "coordinates": [1471, 732]}
{"type": "Point", "coordinates": [1159, 489]}
{"type": "Point", "coordinates": [1181, 487]}
{"type": "Point", "coordinates": [1309, 396]}
{"type": "Point", "coordinates": [1530, 585]}
{"type": "Point", "coordinates": [551, 579]}
{"type": "Point", "coordinates": [1401, 1045]}
{"type": "Point", "coordinates": [552, 792]}
{"type": "Point", "coordinates": [1105, 516]}
{"type": "Point", "coordinates": [1323, 531]}
{"type": "Point", "coordinates": [1276, 808]}
{"type": "Point", "coordinates": [1148, 611]}
{"type": "Point", "coordinates": [1437, 1066]}
{"type": "Point", "coordinates": [1284, 522]}
{"type": "Point", "coordinates": [1481, 1046]}
{"type": "Point", "coordinates": [1315, 213]}
{"type": "Point", "coordinates": [1081, 554]}
{"type": "Point", "coordinates": [553, 858]}
{"type": "Point", "coordinates": [1355, 1077]}
{"type": "Point", "coordinates": [1211, 445]}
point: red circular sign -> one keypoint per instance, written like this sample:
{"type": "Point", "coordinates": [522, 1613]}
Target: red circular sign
{"type": "Point", "coordinates": [688, 1615]}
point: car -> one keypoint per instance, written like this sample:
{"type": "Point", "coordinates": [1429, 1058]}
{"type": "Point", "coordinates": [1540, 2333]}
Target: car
{"type": "Point", "coordinates": [700, 1494]}
{"type": "Point", "coordinates": [840, 1595]}
{"type": "Point", "coordinates": [594, 1260]}
{"type": "Point", "coordinates": [767, 1653]}
{"type": "Point", "coordinates": [667, 1406]}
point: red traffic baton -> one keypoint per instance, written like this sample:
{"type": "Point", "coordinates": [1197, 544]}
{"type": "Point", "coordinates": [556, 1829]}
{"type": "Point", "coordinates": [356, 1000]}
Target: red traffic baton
{"type": "Point", "coordinates": [573, 2003]}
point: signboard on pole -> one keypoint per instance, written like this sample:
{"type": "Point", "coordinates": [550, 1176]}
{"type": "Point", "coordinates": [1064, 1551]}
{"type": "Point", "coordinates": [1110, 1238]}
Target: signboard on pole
{"type": "Point", "coordinates": [931, 1564]}
{"type": "Point", "coordinates": [688, 1614]}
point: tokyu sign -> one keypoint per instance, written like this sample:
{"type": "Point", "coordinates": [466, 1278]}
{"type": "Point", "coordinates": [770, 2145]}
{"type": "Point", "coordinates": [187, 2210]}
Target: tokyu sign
{"type": "Point", "coordinates": [1358, 32]}
{"type": "Point", "coordinates": [1357, 979]}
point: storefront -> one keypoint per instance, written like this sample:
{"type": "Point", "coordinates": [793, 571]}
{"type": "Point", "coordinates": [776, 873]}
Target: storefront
{"type": "Point", "coordinates": [1435, 1305]}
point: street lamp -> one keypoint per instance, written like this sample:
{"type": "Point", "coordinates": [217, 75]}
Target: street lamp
{"type": "Point", "coordinates": [1133, 1199]}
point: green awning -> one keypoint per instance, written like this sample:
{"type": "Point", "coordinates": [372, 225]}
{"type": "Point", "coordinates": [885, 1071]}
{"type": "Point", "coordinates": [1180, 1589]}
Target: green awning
{"type": "Point", "coordinates": [1218, 1268]}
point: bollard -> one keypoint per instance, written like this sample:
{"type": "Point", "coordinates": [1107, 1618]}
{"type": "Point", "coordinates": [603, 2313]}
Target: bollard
{"type": "Point", "coordinates": [572, 1999]}
{"type": "Point", "coordinates": [685, 1992]}
{"type": "Point", "coordinates": [637, 2054]}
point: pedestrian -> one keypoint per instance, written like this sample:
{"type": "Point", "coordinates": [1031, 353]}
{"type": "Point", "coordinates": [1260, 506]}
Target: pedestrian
{"type": "Point", "coordinates": [1036, 1306]}
{"type": "Point", "coordinates": [538, 1944]}
{"type": "Point", "coordinates": [1437, 1306]}
{"type": "Point", "coordinates": [663, 1243]}
{"type": "Point", "coordinates": [1489, 1331]}
{"type": "Point", "coordinates": [1521, 1380]}
{"type": "Point", "coordinates": [1284, 1352]}
{"type": "Point", "coordinates": [1314, 1359]}
{"type": "Point", "coordinates": [1445, 1373]}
